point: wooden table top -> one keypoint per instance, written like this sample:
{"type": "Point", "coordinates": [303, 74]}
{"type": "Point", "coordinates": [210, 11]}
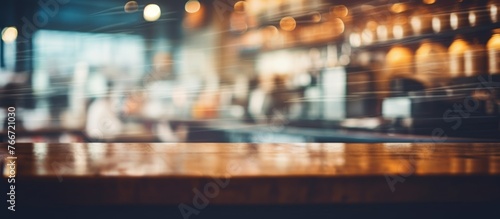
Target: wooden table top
{"type": "Point", "coordinates": [305, 173]}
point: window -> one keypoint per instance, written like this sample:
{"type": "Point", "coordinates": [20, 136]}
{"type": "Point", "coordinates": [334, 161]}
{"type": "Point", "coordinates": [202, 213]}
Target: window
{"type": "Point", "coordinates": [107, 56]}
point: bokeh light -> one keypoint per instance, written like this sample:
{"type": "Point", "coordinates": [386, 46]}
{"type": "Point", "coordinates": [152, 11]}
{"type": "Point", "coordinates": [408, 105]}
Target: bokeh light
{"type": "Point", "coordinates": [493, 13]}
{"type": "Point", "coordinates": [152, 12]}
{"type": "Point", "coordinates": [288, 24]}
{"type": "Point", "coordinates": [192, 6]}
{"type": "Point", "coordinates": [454, 20]}
{"type": "Point", "coordinates": [338, 26]}
{"type": "Point", "coordinates": [472, 18]}
{"type": "Point", "coordinates": [416, 24]}
{"type": "Point", "coordinates": [9, 34]}
{"type": "Point", "coordinates": [340, 11]}
{"type": "Point", "coordinates": [367, 36]}
{"type": "Point", "coordinates": [355, 39]}
{"type": "Point", "coordinates": [382, 33]}
{"type": "Point", "coordinates": [131, 6]}
{"type": "Point", "coordinates": [316, 17]}
{"type": "Point", "coordinates": [240, 6]}
{"type": "Point", "coordinates": [398, 7]}
{"type": "Point", "coordinates": [436, 24]}
{"type": "Point", "coordinates": [398, 31]}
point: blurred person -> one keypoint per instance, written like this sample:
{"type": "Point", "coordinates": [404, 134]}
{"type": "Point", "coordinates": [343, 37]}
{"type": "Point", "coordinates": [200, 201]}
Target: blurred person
{"type": "Point", "coordinates": [103, 120]}
{"type": "Point", "coordinates": [108, 118]}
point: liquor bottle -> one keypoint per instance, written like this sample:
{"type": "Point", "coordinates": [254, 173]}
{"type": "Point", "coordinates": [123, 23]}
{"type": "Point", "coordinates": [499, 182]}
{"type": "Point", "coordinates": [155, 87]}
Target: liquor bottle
{"type": "Point", "coordinates": [399, 62]}
{"type": "Point", "coordinates": [401, 28]}
{"type": "Point", "coordinates": [456, 53]}
{"type": "Point", "coordinates": [493, 48]}
{"type": "Point", "coordinates": [421, 19]}
{"type": "Point", "coordinates": [476, 14]}
{"type": "Point", "coordinates": [440, 21]}
{"type": "Point", "coordinates": [475, 60]}
{"type": "Point", "coordinates": [431, 64]}
{"type": "Point", "coordinates": [458, 17]}
{"type": "Point", "coordinates": [493, 6]}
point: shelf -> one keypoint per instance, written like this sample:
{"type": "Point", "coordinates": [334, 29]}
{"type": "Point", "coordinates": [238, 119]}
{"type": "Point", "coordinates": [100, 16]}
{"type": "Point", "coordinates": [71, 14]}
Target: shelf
{"type": "Point", "coordinates": [445, 35]}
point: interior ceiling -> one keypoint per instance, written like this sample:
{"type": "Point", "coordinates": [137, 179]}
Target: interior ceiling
{"type": "Point", "coordinates": [95, 16]}
{"type": "Point", "coordinates": [108, 16]}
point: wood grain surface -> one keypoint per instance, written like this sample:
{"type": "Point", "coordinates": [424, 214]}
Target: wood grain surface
{"type": "Point", "coordinates": [255, 174]}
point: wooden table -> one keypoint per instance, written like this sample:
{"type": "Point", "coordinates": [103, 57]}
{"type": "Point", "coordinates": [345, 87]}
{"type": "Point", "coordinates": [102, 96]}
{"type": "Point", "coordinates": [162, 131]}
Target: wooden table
{"type": "Point", "coordinates": [159, 174]}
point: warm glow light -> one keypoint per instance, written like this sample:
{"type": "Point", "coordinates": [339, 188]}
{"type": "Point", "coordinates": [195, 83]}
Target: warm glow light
{"type": "Point", "coordinates": [355, 39]}
{"type": "Point", "coordinates": [192, 6]}
{"type": "Point", "coordinates": [429, 2]}
{"type": "Point", "coordinates": [494, 52]}
{"type": "Point", "coordinates": [372, 25]}
{"type": "Point", "coordinates": [494, 42]}
{"type": "Point", "coordinates": [240, 6]}
{"type": "Point", "coordinates": [459, 46]}
{"type": "Point", "coordinates": [494, 13]}
{"type": "Point", "coordinates": [398, 7]}
{"type": "Point", "coordinates": [238, 22]}
{"type": "Point", "coordinates": [416, 24]}
{"type": "Point", "coordinates": [399, 58]}
{"type": "Point", "coordinates": [398, 31]}
{"type": "Point", "coordinates": [454, 20]}
{"type": "Point", "coordinates": [456, 53]}
{"type": "Point", "coordinates": [382, 33]}
{"type": "Point", "coordinates": [152, 12]}
{"type": "Point", "coordinates": [424, 50]}
{"type": "Point", "coordinates": [367, 36]}
{"type": "Point", "coordinates": [131, 6]}
{"type": "Point", "coordinates": [436, 24]}
{"type": "Point", "coordinates": [338, 26]}
{"type": "Point", "coordinates": [9, 34]}
{"type": "Point", "coordinates": [472, 18]}
{"type": "Point", "coordinates": [288, 24]}
{"type": "Point", "coordinates": [272, 31]}
{"type": "Point", "coordinates": [316, 17]}
{"type": "Point", "coordinates": [340, 11]}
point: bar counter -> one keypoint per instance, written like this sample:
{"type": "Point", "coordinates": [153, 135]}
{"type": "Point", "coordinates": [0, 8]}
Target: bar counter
{"type": "Point", "coordinates": [255, 174]}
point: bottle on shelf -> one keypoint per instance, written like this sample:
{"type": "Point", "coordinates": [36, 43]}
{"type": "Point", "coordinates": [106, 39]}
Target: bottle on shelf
{"type": "Point", "coordinates": [493, 7]}
{"type": "Point", "coordinates": [399, 61]}
{"type": "Point", "coordinates": [440, 21]}
{"type": "Point", "coordinates": [383, 32]}
{"type": "Point", "coordinates": [401, 28]}
{"type": "Point", "coordinates": [475, 60]}
{"type": "Point", "coordinates": [479, 14]}
{"type": "Point", "coordinates": [456, 53]}
{"type": "Point", "coordinates": [421, 19]}
{"type": "Point", "coordinates": [459, 16]}
{"type": "Point", "coordinates": [431, 64]}
{"type": "Point", "coordinates": [367, 36]}
{"type": "Point", "coordinates": [493, 48]}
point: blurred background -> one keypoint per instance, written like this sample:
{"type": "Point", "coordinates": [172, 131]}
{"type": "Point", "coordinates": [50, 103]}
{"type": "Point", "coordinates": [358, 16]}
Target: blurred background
{"type": "Point", "coordinates": [251, 71]}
